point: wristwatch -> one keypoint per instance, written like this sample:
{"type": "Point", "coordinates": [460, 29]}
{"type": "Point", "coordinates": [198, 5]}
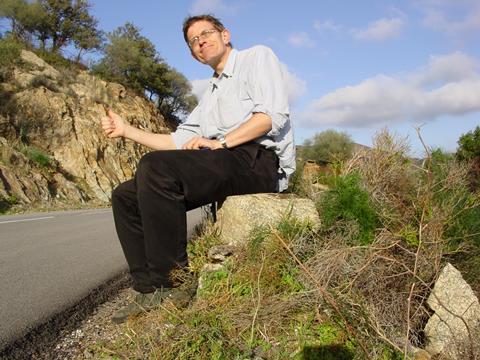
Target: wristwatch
{"type": "Point", "coordinates": [221, 139]}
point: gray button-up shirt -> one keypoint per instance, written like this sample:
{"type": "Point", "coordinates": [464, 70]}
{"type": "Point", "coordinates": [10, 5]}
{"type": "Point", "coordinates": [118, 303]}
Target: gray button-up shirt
{"type": "Point", "coordinates": [252, 81]}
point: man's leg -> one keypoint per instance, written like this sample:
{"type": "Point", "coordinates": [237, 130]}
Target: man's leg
{"type": "Point", "coordinates": [128, 224]}
{"type": "Point", "coordinates": [168, 183]}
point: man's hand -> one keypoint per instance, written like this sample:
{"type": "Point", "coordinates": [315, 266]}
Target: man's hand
{"type": "Point", "coordinates": [113, 125]}
{"type": "Point", "coordinates": [201, 143]}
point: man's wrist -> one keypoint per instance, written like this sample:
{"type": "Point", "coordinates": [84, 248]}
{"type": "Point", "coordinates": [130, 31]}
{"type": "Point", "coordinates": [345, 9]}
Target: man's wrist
{"type": "Point", "coordinates": [221, 139]}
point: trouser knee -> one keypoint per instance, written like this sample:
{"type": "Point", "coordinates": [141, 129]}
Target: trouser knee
{"type": "Point", "coordinates": [155, 170]}
{"type": "Point", "coordinates": [121, 193]}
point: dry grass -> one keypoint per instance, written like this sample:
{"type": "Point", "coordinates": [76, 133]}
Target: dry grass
{"type": "Point", "coordinates": [292, 292]}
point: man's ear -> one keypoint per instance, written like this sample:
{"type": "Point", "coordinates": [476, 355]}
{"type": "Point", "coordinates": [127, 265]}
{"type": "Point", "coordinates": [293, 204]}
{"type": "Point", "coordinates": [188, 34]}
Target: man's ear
{"type": "Point", "coordinates": [226, 36]}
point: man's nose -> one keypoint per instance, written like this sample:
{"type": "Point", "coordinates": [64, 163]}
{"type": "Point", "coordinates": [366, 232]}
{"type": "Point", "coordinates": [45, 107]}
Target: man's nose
{"type": "Point", "coordinates": [202, 40]}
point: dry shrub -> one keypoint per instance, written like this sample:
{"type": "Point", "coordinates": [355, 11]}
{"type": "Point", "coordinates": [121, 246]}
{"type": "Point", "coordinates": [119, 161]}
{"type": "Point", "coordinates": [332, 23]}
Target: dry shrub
{"type": "Point", "coordinates": [382, 288]}
{"type": "Point", "coordinates": [388, 175]}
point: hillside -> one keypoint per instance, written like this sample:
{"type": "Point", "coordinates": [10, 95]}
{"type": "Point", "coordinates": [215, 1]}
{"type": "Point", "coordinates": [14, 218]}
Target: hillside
{"type": "Point", "coordinates": [53, 151]}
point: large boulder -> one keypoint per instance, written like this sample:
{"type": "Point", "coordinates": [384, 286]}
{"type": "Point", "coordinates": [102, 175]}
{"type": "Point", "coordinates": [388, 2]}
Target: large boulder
{"type": "Point", "coordinates": [239, 215]}
{"type": "Point", "coordinates": [456, 317]}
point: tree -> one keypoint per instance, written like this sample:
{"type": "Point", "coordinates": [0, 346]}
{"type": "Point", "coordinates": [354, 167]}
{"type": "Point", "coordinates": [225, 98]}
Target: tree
{"type": "Point", "coordinates": [178, 99]}
{"type": "Point", "coordinates": [67, 21]}
{"type": "Point", "coordinates": [132, 60]}
{"type": "Point", "coordinates": [329, 145]}
{"type": "Point", "coordinates": [22, 16]}
{"type": "Point", "coordinates": [56, 23]}
{"type": "Point", "coordinates": [469, 145]}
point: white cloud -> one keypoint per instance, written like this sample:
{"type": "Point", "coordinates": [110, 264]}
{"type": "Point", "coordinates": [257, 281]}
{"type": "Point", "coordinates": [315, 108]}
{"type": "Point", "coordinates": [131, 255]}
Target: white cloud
{"type": "Point", "coordinates": [210, 6]}
{"type": "Point", "coordinates": [437, 20]}
{"type": "Point", "coordinates": [328, 25]}
{"type": "Point", "coordinates": [296, 86]}
{"type": "Point", "coordinates": [381, 29]}
{"type": "Point", "coordinates": [301, 39]}
{"type": "Point", "coordinates": [441, 88]}
{"type": "Point", "coordinates": [455, 17]}
{"type": "Point", "coordinates": [445, 69]}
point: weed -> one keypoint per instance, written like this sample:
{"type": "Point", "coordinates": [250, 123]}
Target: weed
{"type": "Point", "coordinates": [9, 55]}
{"type": "Point", "coordinates": [6, 202]}
{"type": "Point", "coordinates": [36, 155]}
{"type": "Point", "coordinates": [348, 201]}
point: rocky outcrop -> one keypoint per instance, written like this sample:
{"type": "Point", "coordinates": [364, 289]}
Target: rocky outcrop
{"type": "Point", "coordinates": [59, 112]}
{"type": "Point", "coordinates": [22, 182]}
{"type": "Point", "coordinates": [453, 328]}
{"type": "Point", "coordinates": [239, 215]}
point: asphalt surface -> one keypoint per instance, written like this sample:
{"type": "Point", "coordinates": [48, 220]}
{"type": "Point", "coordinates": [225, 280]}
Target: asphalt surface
{"type": "Point", "coordinates": [51, 261]}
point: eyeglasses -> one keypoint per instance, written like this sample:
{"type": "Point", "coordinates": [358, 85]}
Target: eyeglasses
{"type": "Point", "coordinates": [205, 34]}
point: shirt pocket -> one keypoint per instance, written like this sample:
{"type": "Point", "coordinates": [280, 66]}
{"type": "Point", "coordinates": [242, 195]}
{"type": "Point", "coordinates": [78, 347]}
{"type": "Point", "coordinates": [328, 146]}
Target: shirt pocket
{"type": "Point", "coordinates": [233, 109]}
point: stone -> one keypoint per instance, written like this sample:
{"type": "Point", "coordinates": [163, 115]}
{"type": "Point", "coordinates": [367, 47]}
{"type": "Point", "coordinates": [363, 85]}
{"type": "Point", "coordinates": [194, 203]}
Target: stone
{"type": "Point", "coordinates": [421, 354]}
{"type": "Point", "coordinates": [240, 214]}
{"type": "Point", "coordinates": [455, 306]}
{"type": "Point", "coordinates": [220, 253]}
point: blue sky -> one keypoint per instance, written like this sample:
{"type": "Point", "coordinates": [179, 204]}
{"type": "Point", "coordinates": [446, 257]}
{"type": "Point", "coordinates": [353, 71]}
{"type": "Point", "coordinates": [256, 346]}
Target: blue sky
{"type": "Point", "coordinates": [354, 66]}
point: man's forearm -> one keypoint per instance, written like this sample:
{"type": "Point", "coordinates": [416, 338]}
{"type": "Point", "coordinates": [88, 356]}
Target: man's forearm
{"type": "Point", "coordinates": [153, 141]}
{"type": "Point", "coordinates": [258, 125]}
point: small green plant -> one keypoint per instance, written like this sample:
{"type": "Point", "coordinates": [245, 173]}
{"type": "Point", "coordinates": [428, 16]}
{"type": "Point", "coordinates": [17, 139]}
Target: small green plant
{"type": "Point", "coordinates": [6, 202]}
{"type": "Point", "coordinates": [348, 201]}
{"type": "Point", "coordinates": [36, 155]}
{"type": "Point", "coordinates": [9, 55]}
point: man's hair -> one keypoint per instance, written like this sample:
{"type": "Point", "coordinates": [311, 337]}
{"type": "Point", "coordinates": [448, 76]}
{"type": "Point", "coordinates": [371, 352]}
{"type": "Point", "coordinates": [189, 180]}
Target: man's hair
{"type": "Point", "coordinates": [189, 21]}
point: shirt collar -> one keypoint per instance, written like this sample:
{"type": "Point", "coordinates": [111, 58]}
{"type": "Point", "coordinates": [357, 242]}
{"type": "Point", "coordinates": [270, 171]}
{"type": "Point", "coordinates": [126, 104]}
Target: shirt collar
{"type": "Point", "coordinates": [230, 65]}
{"type": "Point", "coordinates": [228, 70]}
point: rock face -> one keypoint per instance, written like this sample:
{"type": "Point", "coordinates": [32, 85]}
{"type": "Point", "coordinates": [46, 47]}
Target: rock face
{"type": "Point", "coordinates": [456, 308]}
{"type": "Point", "coordinates": [239, 215]}
{"type": "Point", "coordinates": [59, 111]}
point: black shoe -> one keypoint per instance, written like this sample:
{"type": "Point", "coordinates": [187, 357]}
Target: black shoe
{"type": "Point", "coordinates": [142, 303]}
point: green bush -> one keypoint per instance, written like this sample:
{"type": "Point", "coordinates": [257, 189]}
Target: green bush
{"type": "Point", "coordinates": [469, 145]}
{"type": "Point", "coordinates": [9, 55]}
{"type": "Point", "coordinates": [6, 203]}
{"type": "Point", "coordinates": [348, 201]}
{"type": "Point", "coordinates": [9, 51]}
{"type": "Point", "coordinates": [448, 190]}
{"type": "Point", "coordinates": [329, 145]}
{"type": "Point", "coordinates": [36, 155]}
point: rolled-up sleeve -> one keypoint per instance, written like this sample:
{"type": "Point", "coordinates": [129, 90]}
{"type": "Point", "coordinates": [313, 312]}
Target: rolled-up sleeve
{"type": "Point", "coordinates": [268, 89]}
{"type": "Point", "coordinates": [188, 129]}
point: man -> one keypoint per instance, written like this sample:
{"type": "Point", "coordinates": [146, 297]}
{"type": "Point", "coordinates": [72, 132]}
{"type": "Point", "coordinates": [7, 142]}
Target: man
{"type": "Point", "coordinates": [238, 140]}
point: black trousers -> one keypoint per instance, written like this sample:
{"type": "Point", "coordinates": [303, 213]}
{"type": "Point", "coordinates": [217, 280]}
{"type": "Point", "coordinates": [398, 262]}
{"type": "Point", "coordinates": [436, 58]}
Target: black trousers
{"type": "Point", "coordinates": [150, 210]}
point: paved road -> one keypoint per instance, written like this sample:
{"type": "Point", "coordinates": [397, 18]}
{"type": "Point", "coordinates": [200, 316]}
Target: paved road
{"type": "Point", "coordinates": [50, 261]}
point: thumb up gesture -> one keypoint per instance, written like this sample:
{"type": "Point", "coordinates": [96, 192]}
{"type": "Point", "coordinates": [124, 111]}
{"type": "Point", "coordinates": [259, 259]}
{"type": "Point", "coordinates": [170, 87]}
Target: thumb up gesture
{"type": "Point", "coordinates": [113, 125]}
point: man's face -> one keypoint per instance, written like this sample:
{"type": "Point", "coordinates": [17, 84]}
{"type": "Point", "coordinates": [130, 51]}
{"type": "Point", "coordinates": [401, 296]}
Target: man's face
{"type": "Point", "coordinates": [211, 47]}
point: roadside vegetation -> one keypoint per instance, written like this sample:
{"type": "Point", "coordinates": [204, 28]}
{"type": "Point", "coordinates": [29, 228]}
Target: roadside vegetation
{"type": "Point", "coordinates": [354, 288]}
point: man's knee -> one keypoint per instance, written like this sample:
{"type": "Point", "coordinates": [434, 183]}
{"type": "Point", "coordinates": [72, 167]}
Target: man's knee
{"type": "Point", "coordinates": [123, 192]}
{"type": "Point", "coordinates": [155, 167]}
